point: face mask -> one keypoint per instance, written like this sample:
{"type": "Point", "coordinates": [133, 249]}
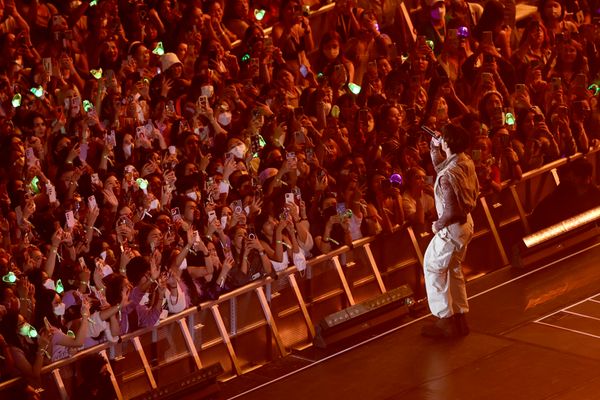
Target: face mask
{"type": "Point", "coordinates": [332, 53]}
{"type": "Point", "coordinates": [127, 150]}
{"type": "Point", "coordinates": [154, 204]}
{"type": "Point", "coordinates": [327, 108]}
{"type": "Point", "coordinates": [238, 151]}
{"type": "Point", "coordinates": [59, 310]}
{"type": "Point", "coordinates": [183, 264]}
{"type": "Point", "coordinates": [192, 195]}
{"type": "Point", "coordinates": [438, 13]}
{"type": "Point", "coordinates": [49, 284]}
{"type": "Point", "coordinates": [224, 118]}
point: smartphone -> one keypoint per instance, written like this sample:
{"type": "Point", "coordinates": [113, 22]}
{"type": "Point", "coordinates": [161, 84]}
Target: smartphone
{"type": "Point", "coordinates": [70, 219]}
{"type": "Point", "coordinates": [212, 215]}
{"type": "Point", "coordinates": [111, 138]}
{"type": "Point", "coordinates": [303, 70]}
{"type": "Point", "coordinates": [92, 204]}
{"type": "Point", "coordinates": [363, 115]}
{"type": "Point", "coordinates": [47, 62]}
{"type": "Point", "coordinates": [51, 192]}
{"type": "Point", "coordinates": [521, 88]}
{"type": "Point", "coordinates": [83, 151]}
{"type": "Point", "coordinates": [556, 83]}
{"type": "Point", "coordinates": [251, 232]}
{"type": "Point", "coordinates": [236, 206]}
{"type": "Point", "coordinates": [476, 155]}
{"type": "Point", "coordinates": [487, 77]}
{"type": "Point", "coordinates": [203, 102]}
{"type": "Point", "coordinates": [289, 198]}
{"type": "Point", "coordinates": [299, 137]}
{"type": "Point", "coordinates": [196, 237]}
{"type": "Point", "coordinates": [175, 215]}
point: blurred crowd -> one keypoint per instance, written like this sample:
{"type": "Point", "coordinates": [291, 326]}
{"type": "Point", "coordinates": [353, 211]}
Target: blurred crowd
{"type": "Point", "coordinates": [156, 154]}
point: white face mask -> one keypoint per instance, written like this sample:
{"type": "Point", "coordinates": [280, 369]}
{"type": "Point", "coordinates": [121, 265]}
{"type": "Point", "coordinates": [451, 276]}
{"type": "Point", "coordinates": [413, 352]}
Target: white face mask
{"type": "Point", "coordinates": [49, 284]}
{"type": "Point", "coordinates": [154, 204]}
{"type": "Point", "coordinates": [59, 310]}
{"type": "Point", "coordinates": [224, 118]}
{"type": "Point", "coordinates": [127, 148]}
{"type": "Point", "coordinates": [238, 151]}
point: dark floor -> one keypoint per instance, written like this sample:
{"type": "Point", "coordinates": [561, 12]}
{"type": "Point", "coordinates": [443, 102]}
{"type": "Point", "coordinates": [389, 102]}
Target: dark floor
{"type": "Point", "coordinates": [534, 335]}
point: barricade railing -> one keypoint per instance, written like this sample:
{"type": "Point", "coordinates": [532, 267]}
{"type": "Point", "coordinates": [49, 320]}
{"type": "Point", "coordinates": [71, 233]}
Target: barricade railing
{"type": "Point", "coordinates": [265, 319]}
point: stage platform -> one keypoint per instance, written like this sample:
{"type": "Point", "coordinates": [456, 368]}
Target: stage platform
{"type": "Point", "coordinates": [535, 334]}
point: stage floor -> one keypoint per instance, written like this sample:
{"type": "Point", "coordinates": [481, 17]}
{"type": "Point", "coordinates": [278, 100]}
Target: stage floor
{"type": "Point", "coordinates": [535, 334]}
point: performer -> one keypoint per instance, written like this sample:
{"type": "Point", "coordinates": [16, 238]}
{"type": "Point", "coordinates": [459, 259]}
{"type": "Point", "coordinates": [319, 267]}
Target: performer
{"type": "Point", "coordinates": [456, 190]}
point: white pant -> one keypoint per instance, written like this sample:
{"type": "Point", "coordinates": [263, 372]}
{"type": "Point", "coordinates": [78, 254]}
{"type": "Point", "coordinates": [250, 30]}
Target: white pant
{"type": "Point", "coordinates": [444, 280]}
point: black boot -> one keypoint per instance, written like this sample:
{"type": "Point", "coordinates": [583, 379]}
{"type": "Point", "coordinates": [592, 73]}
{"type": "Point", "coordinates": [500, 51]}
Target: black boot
{"type": "Point", "coordinates": [443, 328]}
{"type": "Point", "coordinates": [460, 322]}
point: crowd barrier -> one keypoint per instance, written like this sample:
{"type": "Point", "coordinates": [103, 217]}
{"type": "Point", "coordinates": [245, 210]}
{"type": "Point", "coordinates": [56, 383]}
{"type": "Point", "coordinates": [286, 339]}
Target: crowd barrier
{"type": "Point", "coordinates": [265, 320]}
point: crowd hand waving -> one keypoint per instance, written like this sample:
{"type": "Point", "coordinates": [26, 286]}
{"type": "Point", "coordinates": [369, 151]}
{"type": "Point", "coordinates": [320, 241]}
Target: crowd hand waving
{"type": "Point", "coordinates": [228, 263]}
{"type": "Point", "coordinates": [256, 205]}
{"type": "Point", "coordinates": [150, 167]}
{"type": "Point", "coordinates": [126, 256]}
{"type": "Point", "coordinates": [110, 198]}
{"type": "Point", "coordinates": [229, 167]}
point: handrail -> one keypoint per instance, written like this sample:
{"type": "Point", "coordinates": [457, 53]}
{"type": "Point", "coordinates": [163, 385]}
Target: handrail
{"type": "Point", "coordinates": [548, 167]}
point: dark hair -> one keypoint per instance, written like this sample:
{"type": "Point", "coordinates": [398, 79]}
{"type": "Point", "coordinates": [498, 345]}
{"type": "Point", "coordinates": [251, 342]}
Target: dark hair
{"type": "Point", "coordinates": [43, 308]}
{"type": "Point", "coordinates": [456, 137]}
{"type": "Point", "coordinates": [114, 287]}
{"type": "Point", "coordinates": [136, 269]}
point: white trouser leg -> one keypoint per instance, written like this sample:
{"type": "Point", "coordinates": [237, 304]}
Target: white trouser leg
{"type": "Point", "coordinates": [444, 280]}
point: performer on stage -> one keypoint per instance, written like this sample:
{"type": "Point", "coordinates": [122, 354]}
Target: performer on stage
{"type": "Point", "coordinates": [456, 190]}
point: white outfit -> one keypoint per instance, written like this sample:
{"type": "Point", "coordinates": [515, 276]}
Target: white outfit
{"type": "Point", "coordinates": [444, 280]}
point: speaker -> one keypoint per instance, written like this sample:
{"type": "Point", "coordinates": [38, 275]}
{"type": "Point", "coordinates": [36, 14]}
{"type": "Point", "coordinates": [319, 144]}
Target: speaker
{"type": "Point", "coordinates": [363, 316]}
{"type": "Point", "coordinates": [202, 384]}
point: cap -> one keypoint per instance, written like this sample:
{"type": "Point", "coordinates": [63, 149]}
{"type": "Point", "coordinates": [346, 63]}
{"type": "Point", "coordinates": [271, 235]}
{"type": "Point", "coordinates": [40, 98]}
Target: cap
{"type": "Point", "coordinates": [168, 60]}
